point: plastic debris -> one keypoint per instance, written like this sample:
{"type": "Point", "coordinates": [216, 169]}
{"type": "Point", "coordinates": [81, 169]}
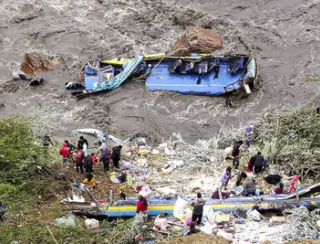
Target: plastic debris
{"type": "Point", "coordinates": [67, 220]}
{"type": "Point", "coordinates": [91, 223]}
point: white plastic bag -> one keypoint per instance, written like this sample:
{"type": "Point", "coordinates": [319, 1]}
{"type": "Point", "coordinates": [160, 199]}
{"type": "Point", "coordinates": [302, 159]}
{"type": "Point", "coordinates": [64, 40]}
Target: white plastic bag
{"type": "Point", "coordinates": [179, 207]}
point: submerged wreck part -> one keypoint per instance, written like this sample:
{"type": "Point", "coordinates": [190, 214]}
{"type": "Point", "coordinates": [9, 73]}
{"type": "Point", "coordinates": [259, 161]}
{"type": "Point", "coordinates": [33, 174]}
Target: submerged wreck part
{"type": "Point", "coordinates": [196, 40]}
{"type": "Point", "coordinates": [34, 63]}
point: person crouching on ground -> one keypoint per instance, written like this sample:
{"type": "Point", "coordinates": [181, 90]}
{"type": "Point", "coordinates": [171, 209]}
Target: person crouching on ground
{"type": "Point", "coordinates": [191, 230]}
{"type": "Point", "coordinates": [198, 209]}
{"type": "Point", "coordinates": [249, 186]}
{"type": "Point", "coordinates": [279, 189]}
{"type": "Point", "coordinates": [89, 181]}
{"type": "Point", "coordinates": [94, 158]}
{"type": "Point", "coordinates": [215, 195]}
{"type": "Point", "coordinates": [64, 152]}
{"type": "Point", "coordinates": [122, 177]}
{"type": "Point", "coordinates": [257, 163]}
{"type": "Point", "coordinates": [142, 205]}
{"type": "Point", "coordinates": [240, 178]}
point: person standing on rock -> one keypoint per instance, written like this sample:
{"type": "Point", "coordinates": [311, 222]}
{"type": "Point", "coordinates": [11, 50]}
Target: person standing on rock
{"type": "Point", "coordinates": [116, 153]}
{"type": "Point", "coordinates": [198, 209]}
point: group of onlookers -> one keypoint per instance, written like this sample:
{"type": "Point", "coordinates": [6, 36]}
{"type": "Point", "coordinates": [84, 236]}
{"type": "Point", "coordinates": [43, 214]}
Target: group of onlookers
{"type": "Point", "coordinates": [249, 184]}
{"type": "Point", "coordinates": [85, 161]}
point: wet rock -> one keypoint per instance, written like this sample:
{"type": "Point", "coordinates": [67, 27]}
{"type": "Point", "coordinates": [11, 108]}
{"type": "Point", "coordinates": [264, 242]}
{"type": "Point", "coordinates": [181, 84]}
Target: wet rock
{"type": "Point", "coordinates": [34, 63]}
{"type": "Point", "coordinates": [197, 40]}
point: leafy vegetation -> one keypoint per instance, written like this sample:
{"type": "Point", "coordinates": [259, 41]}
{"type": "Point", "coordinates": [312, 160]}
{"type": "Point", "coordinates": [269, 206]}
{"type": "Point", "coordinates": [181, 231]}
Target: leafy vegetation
{"type": "Point", "coordinates": [20, 150]}
{"type": "Point", "coordinates": [311, 79]}
{"type": "Point", "coordinates": [291, 138]}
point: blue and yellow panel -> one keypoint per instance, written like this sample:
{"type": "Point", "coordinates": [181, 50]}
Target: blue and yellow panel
{"type": "Point", "coordinates": [154, 210]}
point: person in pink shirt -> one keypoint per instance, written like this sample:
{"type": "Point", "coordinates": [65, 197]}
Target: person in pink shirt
{"type": "Point", "coordinates": [142, 205]}
{"type": "Point", "coordinates": [293, 181]}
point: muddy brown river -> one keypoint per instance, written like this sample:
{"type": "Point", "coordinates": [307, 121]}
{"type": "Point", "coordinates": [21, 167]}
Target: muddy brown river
{"type": "Point", "coordinates": [282, 35]}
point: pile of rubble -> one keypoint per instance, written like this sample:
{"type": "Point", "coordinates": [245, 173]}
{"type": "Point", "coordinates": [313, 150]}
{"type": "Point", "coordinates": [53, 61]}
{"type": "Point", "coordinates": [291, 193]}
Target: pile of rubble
{"type": "Point", "coordinates": [176, 168]}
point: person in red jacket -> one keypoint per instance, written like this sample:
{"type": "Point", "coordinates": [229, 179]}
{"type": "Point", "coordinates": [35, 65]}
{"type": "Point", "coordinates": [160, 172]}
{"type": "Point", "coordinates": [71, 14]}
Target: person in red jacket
{"type": "Point", "coordinates": [79, 160]}
{"type": "Point", "coordinates": [142, 205]}
{"type": "Point", "coordinates": [64, 152]}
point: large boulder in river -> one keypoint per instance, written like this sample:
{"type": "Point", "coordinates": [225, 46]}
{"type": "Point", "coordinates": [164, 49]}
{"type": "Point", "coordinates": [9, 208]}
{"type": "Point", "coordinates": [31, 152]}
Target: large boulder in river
{"type": "Point", "coordinates": [34, 63]}
{"type": "Point", "coordinates": [196, 40]}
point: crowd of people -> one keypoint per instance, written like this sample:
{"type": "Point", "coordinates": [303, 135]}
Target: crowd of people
{"type": "Point", "coordinates": [247, 179]}
{"type": "Point", "coordinates": [84, 162]}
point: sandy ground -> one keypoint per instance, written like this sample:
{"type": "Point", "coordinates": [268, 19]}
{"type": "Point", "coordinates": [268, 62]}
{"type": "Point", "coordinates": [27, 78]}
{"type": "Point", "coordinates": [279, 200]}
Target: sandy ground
{"type": "Point", "coordinates": [284, 37]}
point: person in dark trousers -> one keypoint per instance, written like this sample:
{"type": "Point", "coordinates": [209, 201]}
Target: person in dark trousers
{"type": "Point", "coordinates": [258, 162]}
{"type": "Point", "coordinates": [116, 152]}
{"type": "Point", "coordinates": [105, 158]}
{"type": "Point", "coordinates": [236, 153]}
{"type": "Point", "coordinates": [82, 141]}
{"type": "Point", "coordinates": [87, 163]}
{"type": "Point", "coordinates": [198, 209]}
{"type": "Point", "coordinates": [79, 160]}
